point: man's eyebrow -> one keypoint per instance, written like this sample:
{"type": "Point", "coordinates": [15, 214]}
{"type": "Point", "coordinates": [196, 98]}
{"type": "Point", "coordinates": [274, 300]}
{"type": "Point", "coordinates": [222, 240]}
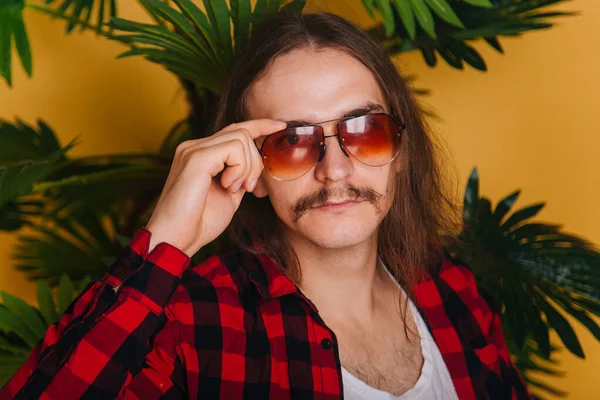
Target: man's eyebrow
{"type": "Point", "coordinates": [361, 110]}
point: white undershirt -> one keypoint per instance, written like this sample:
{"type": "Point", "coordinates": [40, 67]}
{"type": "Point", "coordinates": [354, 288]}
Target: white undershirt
{"type": "Point", "coordinates": [434, 383]}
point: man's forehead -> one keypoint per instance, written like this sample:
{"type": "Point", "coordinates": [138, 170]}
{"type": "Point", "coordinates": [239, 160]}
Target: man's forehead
{"type": "Point", "coordinates": [309, 89]}
{"type": "Point", "coordinates": [298, 118]}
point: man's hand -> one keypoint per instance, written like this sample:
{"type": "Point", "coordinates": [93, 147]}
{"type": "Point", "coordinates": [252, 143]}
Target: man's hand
{"type": "Point", "coordinates": [194, 207]}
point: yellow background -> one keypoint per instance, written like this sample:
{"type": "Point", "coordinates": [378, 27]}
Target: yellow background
{"type": "Point", "coordinates": [530, 122]}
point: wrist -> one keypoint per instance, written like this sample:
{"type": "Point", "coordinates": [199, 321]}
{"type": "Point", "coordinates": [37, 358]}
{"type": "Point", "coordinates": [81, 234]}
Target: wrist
{"type": "Point", "coordinates": [156, 238]}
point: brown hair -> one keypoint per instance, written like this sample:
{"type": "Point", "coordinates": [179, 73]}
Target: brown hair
{"type": "Point", "coordinates": [422, 217]}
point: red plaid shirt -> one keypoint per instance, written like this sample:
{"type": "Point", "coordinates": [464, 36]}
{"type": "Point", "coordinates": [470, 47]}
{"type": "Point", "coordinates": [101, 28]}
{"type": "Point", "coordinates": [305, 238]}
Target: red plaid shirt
{"type": "Point", "coordinates": [235, 327]}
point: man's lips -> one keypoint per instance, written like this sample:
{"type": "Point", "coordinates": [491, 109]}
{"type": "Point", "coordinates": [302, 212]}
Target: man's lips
{"type": "Point", "coordinates": [336, 205]}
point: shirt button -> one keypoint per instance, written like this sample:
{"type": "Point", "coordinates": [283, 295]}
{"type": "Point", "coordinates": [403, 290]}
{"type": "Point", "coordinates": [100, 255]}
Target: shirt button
{"type": "Point", "coordinates": [326, 344]}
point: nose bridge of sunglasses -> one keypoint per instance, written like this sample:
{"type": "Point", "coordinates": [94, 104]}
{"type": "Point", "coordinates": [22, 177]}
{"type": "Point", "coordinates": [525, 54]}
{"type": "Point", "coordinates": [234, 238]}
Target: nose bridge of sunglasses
{"type": "Point", "coordinates": [331, 132]}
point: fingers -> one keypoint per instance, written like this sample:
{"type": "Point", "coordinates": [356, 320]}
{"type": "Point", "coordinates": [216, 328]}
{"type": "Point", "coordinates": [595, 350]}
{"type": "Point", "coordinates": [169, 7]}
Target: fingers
{"type": "Point", "coordinates": [258, 127]}
{"type": "Point", "coordinates": [235, 176]}
{"type": "Point", "coordinates": [234, 151]}
{"type": "Point", "coordinates": [255, 165]}
{"type": "Point", "coordinates": [235, 161]}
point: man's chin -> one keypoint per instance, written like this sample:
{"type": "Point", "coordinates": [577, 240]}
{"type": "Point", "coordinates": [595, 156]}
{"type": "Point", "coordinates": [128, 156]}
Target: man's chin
{"type": "Point", "coordinates": [335, 234]}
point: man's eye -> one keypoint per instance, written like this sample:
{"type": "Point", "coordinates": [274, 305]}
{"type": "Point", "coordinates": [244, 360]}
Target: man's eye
{"type": "Point", "coordinates": [291, 139]}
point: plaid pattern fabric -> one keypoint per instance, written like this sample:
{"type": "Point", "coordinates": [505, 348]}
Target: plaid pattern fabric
{"type": "Point", "coordinates": [235, 327]}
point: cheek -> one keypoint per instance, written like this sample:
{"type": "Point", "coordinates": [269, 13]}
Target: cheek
{"type": "Point", "coordinates": [281, 194]}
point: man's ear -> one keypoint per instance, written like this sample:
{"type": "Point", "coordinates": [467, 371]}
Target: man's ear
{"type": "Point", "coordinates": [260, 190]}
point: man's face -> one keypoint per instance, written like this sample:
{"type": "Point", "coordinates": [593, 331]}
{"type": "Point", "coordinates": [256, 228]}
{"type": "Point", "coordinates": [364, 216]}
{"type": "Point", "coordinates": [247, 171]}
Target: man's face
{"type": "Point", "coordinates": [321, 86]}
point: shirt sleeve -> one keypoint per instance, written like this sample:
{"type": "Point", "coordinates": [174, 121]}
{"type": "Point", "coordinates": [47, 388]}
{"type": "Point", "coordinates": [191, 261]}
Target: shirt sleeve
{"type": "Point", "coordinates": [115, 340]}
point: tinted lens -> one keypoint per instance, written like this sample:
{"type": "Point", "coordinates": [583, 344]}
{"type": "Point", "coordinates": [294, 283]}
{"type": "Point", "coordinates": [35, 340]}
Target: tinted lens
{"type": "Point", "coordinates": [373, 139]}
{"type": "Point", "coordinates": [292, 152]}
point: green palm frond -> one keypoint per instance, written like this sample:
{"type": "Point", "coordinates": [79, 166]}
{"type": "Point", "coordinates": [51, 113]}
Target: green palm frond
{"type": "Point", "coordinates": [195, 38]}
{"type": "Point", "coordinates": [410, 12]}
{"type": "Point", "coordinates": [532, 271]}
{"type": "Point", "coordinates": [12, 27]}
{"type": "Point", "coordinates": [444, 35]}
{"type": "Point", "coordinates": [79, 12]}
{"type": "Point", "coordinates": [37, 179]}
{"type": "Point", "coordinates": [101, 187]}
{"type": "Point", "coordinates": [26, 156]}
{"type": "Point", "coordinates": [22, 326]}
{"type": "Point", "coordinates": [22, 143]}
{"type": "Point", "coordinates": [78, 247]}
{"type": "Point", "coordinates": [530, 360]}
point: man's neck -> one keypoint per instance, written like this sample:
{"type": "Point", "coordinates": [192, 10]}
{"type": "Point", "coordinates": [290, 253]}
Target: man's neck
{"type": "Point", "coordinates": [345, 284]}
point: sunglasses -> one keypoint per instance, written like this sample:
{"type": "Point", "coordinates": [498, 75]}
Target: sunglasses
{"type": "Point", "coordinates": [372, 139]}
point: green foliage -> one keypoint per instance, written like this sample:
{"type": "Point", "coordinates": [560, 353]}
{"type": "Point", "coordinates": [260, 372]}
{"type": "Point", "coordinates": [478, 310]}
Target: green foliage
{"type": "Point", "coordinates": [528, 360]}
{"type": "Point", "coordinates": [78, 247]}
{"type": "Point", "coordinates": [23, 326]}
{"type": "Point", "coordinates": [196, 38]}
{"type": "Point", "coordinates": [444, 27]}
{"type": "Point", "coordinates": [72, 207]}
{"type": "Point", "coordinates": [531, 270]}
{"type": "Point", "coordinates": [26, 156]}
{"type": "Point", "coordinates": [79, 12]}
{"type": "Point", "coordinates": [12, 28]}
{"type": "Point", "coordinates": [407, 11]}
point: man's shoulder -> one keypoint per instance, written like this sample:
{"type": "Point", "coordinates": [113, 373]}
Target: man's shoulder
{"type": "Point", "coordinates": [460, 275]}
{"type": "Point", "coordinates": [447, 274]}
{"type": "Point", "coordinates": [452, 279]}
{"type": "Point", "coordinates": [456, 281]}
{"type": "Point", "coordinates": [456, 273]}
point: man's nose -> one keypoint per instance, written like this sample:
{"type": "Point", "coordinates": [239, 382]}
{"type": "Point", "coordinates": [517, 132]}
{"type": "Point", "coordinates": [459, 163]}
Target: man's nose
{"type": "Point", "coordinates": [335, 164]}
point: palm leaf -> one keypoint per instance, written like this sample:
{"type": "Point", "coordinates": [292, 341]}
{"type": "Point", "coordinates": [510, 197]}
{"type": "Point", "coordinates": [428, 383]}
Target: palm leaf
{"type": "Point", "coordinates": [46, 302]}
{"type": "Point", "coordinates": [407, 16]}
{"type": "Point", "coordinates": [22, 143]}
{"type": "Point", "coordinates": [423, 10]}
{"type": "Point", "coordinates": [196, 38]}
{"type": "Point", "coordinates": [218, 15]}
{"type": "Point", "coordinates": [530, 360]}
{"type": "Point", "coordinates": [23, 326]}
{"type": "Point", "coordinates": [179, 52]}
{"type": "Point", "coordinates": [79, 12]}
{"type": "Point", "coordinates": [445, 26]}
{"type": "Point", "coordinates": [241, 14]}
{"type": "Point", "coordinates": [75, 247]}
{"type": "Point", "coordinates": [26, 156]}
{"type": "Point", "coordinates": [532, 270]}
{"type": "Point", "coordinates": [12, 28]}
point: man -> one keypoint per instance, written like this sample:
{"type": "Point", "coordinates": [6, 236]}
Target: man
{"type": "Point", "coordinates": [345, 222]}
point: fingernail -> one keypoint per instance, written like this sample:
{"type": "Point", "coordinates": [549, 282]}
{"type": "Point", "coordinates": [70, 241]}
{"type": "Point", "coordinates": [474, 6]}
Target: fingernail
{"type": "Point", "coordinates": [237, 187]}
{"type": "Point", "coordinates": [253, 185]}
{"type": "Point", "coordinates": [279, 123]}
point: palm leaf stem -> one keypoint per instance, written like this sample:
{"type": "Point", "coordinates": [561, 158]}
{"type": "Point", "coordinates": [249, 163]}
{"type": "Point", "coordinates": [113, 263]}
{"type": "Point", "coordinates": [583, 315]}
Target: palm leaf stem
{"type": "Point", "coordinates": [57, 14]}
{"type": "Point", "coordinates": [147, 170]}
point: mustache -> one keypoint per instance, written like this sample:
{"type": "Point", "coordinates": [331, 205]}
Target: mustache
{"type": "Point", "coordinates": [348, 191]}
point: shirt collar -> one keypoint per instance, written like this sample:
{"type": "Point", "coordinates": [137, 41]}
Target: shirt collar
{"type": "Point", "coordinates": [271, 282]}
{"type": "Point", "coordinates": [268, 277]}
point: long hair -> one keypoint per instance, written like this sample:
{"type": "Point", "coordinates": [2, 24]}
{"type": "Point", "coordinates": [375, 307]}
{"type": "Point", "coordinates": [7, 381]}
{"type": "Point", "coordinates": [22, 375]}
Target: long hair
{"type": "Point", "coordinates": [422, 217]}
